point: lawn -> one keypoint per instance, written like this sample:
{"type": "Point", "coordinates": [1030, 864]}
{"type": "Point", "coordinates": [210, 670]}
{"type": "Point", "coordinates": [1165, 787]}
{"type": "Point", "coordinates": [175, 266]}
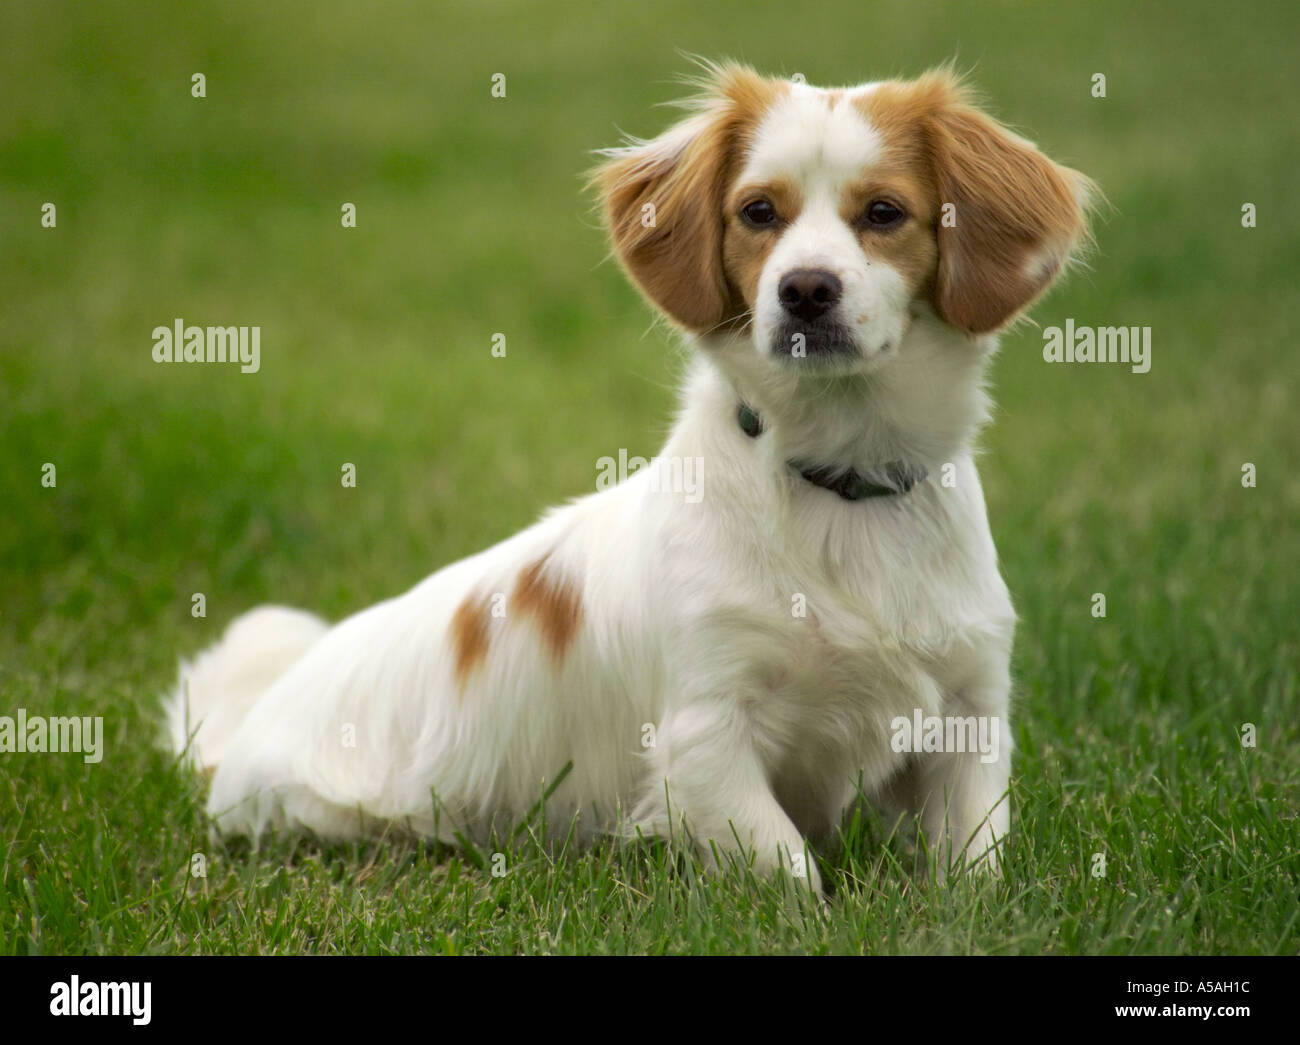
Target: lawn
{"type": "Point", "coordinates": [376, 351]}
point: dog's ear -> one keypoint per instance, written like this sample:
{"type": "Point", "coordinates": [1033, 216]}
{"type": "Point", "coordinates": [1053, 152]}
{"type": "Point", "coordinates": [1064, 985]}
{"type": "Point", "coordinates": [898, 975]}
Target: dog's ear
{"type": "Point", "coordinates": [1017, 218]}
{"type": "Point", "coordinates": [662, 200]}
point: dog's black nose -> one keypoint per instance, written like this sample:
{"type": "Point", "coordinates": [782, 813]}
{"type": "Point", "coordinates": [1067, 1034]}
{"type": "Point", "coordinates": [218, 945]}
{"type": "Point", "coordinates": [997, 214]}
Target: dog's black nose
{"type": "Point", "coordinates": [808, 293]}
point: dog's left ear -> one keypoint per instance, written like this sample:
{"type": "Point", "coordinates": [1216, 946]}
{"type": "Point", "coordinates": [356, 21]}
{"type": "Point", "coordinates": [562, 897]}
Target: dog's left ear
{"type": "Point", "coordinates": [663, 201]}
{"type": "Point", "coordinates": [1017, 217]}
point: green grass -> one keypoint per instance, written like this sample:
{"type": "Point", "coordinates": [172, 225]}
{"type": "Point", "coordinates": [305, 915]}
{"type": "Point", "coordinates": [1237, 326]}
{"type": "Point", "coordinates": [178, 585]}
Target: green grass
{"type": "Point", "coordinates": [375, 350]}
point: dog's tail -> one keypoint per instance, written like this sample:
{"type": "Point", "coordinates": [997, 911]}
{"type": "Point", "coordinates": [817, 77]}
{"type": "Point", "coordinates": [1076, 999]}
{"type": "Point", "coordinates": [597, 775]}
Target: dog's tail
{"type": "Point", "coordinates": [220, 686]}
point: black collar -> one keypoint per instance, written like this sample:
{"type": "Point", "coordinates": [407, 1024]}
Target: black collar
{"type": "Point", "coordinates": [847, 484]}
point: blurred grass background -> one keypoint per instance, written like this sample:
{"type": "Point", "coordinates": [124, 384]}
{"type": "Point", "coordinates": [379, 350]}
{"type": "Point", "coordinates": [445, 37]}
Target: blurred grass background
{"type": "Point", "coordinates": [471, 221]}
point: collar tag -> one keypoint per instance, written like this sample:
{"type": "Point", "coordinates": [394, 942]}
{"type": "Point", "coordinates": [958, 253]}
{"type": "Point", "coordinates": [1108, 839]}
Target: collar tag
{"type": "Point", "coordinates": [750, 423]}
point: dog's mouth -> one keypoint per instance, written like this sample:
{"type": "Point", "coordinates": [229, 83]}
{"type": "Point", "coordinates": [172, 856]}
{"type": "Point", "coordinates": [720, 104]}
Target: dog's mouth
{"type": "Point", "coordinates": [816, 343]}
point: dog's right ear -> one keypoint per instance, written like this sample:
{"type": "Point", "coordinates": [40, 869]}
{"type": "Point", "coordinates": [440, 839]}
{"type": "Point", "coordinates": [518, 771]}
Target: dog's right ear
{"type": "Point", "coordinates": [662, 200]}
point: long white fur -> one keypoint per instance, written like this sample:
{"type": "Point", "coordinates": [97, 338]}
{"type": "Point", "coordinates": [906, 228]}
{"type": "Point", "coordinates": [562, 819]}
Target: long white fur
{"type": "Point", "coordinates": [765, 724]}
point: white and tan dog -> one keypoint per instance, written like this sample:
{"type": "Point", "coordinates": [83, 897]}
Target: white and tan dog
{"type": "Point", "coordinates": [737, 667]}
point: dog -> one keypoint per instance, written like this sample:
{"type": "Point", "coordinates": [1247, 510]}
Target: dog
{"type": "Point", "coordinates": [733, 669]}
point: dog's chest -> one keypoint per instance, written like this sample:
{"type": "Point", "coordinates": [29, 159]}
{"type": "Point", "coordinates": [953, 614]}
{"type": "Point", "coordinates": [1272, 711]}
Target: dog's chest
{"type": "Point", "coordinates": [908, 583]}
{"type": "Point", "coordinates": [865, 651]}
{"type": "Point", "coordinates": [843, 627]}
{"type": "Point", "coordinates": [873, 647]}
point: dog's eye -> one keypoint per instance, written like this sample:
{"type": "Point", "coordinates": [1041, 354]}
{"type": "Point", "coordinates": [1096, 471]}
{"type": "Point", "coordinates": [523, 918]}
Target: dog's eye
{"type": "Point", "coordinates": [758, 215]}
{"type": "Point", "coordinates": [881, 214]}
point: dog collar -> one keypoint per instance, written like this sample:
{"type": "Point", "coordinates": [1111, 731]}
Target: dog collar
{"type": "Point", "coordinates": [847, 484]}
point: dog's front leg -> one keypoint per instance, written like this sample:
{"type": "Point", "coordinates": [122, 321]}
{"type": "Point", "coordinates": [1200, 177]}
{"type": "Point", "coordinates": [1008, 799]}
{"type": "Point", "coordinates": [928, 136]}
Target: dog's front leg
{"type": "Point", "coordinates": [961, 794]}
{"type": "Point", "coordinates": [709, 783]}
{"type": "Point", "coordinates": [966, 811]}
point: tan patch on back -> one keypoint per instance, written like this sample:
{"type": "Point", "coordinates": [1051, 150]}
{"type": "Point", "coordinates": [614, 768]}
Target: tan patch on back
{"type": "Point", "coordinates": [552, 602]}
{"type": "Point", "coordinates": [469, 636]}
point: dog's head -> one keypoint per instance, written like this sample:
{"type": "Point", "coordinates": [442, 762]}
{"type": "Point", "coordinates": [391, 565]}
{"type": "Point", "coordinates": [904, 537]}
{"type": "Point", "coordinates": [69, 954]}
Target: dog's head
{"type": "Point", "coordinates": [814, 222]}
